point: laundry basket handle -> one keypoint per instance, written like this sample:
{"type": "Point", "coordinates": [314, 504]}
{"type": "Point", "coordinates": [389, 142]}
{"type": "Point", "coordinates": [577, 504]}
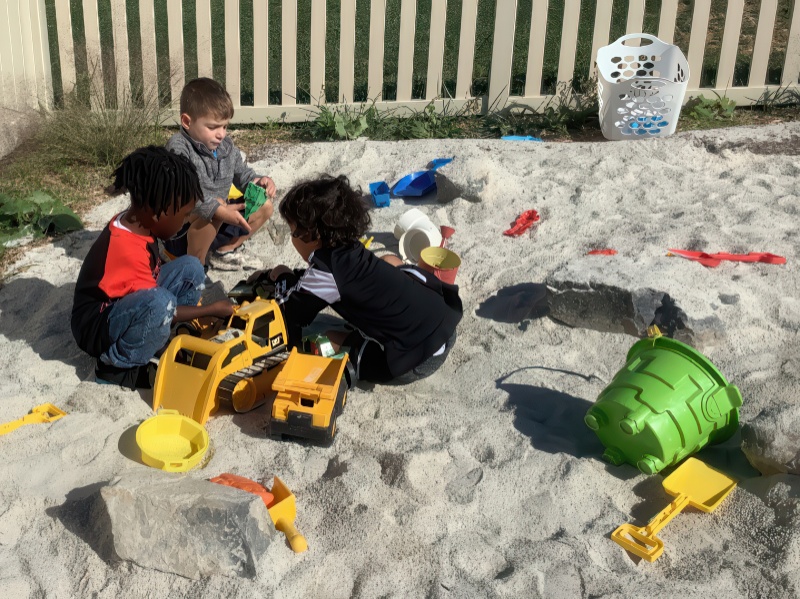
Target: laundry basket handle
{"type": "Point", "coordinates": [656, 43]}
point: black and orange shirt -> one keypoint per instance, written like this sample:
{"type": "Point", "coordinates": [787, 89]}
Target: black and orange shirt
{"type": "Point", "coordinates": [119, 263]}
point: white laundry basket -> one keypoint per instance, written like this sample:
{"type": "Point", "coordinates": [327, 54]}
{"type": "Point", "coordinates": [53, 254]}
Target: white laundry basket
{"type": "Point", "coordinates": [640, 89]}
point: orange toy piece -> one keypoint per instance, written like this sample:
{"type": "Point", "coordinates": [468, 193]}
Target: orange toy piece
{"type": "Point", "coordinates": [245, 484]}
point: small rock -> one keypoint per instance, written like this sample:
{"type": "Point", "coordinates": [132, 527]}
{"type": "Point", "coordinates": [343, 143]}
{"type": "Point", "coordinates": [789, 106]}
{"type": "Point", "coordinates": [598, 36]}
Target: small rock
{"type": "Point", "coordinates": [771, 441]}
{"type": "Point", "coordinates": [193, 528]}
{"type": "Point", "coordinates": [462, 489]}
{"type": "Point", "coordinates": [729, 298]}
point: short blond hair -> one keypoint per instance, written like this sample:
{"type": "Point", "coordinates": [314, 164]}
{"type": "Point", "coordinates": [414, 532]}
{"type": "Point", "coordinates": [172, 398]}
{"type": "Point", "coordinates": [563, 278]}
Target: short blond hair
{"type": "Point", "coordinates": [205, 97]}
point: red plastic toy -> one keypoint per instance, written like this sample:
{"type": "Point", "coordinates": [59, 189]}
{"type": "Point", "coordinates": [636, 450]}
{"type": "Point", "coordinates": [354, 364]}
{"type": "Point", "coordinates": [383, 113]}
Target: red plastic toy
{"type": "Point", "coordinates": [712, 260]}
{"type": "Point", "coordinates": [524, 222]}
{"type": "Point", "coordinates": [245, 484]}
{"type": "Point", "coordinates": [605, 252]}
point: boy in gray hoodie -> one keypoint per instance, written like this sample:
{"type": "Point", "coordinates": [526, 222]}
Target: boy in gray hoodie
{"type": "Point", "coordinates": [216, 224]}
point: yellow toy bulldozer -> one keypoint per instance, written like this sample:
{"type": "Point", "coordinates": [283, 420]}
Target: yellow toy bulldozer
{"type": "Point", "coordinates": [247, 364]}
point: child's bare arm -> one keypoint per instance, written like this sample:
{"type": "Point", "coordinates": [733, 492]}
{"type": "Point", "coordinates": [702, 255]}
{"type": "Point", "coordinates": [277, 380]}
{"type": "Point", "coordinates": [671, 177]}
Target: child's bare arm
{"type": "Point", "coordinates": [220, 309]}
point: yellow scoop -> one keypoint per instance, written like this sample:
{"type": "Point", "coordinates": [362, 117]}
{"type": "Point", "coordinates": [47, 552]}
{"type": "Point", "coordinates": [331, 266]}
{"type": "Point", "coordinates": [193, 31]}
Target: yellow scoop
{"type": "Point", "coordinates": [283, 512]}
{"type": "Point", "coordinates": [692, 483]}
{"type": "Point", "coordinates": [46, 412]}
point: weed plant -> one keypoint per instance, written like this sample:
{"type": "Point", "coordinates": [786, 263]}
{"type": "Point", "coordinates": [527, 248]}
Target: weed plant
{"type": "Point", "coordinates": [573, 106]}
{"type": "Point", "coordinates": [704, 109]}
{"type": "Point", "coordinates": [94, 134]}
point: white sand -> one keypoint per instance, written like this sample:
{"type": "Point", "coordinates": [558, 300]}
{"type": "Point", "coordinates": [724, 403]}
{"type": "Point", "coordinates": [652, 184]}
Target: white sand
{"type": "Point", "coordinates": [481, 481]}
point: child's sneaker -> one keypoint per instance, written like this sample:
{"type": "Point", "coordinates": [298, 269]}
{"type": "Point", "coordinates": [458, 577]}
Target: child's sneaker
{"type": "Point", "coordinates": [238, 259]}
{"type": "Point", "coordinates": [138, 377]}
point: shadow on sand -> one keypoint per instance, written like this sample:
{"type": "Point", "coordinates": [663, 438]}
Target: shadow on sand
{"type": "Point", "coordinates": [516, 304]}
{"type": "Point", "coordinates": [553, 420]}
{"type": "Point", "coordinates": [38, 313]}
{"type": "Point", "coordinates": [84, 514]}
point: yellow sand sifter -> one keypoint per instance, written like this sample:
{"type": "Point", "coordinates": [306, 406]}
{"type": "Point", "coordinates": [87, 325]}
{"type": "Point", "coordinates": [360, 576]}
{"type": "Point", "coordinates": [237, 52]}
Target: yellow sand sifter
{"type": "Point", "coordinates": [693, 483]}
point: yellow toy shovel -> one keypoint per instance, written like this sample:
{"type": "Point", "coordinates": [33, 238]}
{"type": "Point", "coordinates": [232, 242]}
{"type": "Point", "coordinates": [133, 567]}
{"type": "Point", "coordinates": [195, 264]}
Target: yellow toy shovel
{"type": "Point", "coordinates": [692, 483]}
{"type": "Point", "coordinates": [283, 512]}
{"type": "Point", "coordinates": [46, 412]}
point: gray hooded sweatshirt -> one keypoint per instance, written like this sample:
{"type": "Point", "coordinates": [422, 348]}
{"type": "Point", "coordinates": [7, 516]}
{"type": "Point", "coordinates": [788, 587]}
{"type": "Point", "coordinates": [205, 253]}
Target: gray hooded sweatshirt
{"type": "Point", "coordinates": [216, 173]}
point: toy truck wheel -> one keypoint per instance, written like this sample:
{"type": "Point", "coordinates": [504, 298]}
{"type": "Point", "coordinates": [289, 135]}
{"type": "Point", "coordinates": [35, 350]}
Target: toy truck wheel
{"type": "Point", "coordinates": [187, 328]}
{"type": "Point", "coordinates": [244, 395]}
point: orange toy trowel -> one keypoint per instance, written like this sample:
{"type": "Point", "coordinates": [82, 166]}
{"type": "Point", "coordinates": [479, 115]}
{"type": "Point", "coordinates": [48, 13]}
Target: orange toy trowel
{"type": "Point", "coordinates": [283, 512]}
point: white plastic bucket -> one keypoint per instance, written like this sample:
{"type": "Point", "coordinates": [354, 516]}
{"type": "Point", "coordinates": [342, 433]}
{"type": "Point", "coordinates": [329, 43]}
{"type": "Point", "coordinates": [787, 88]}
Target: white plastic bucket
{"type": "Point", "coordinates": [640, 88]}
{"type": "Point", "coordinates": [407, 220]}
{"type": "Point", "coordinates": [423, 234]}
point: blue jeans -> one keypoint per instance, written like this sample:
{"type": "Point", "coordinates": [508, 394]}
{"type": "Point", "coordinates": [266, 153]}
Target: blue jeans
{"type": "Point", "coordinates": [139, 323]}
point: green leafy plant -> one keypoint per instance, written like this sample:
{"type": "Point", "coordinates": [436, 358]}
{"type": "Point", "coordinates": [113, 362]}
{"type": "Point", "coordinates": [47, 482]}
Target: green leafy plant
{"type": "Point", "coordinates": [339, 123]}
{"type": "Point", "coordinates": [350, 128]}
{"type": "Point", "coordinates": [710, 109]}
{"type": "Point", "coordinates": [38, 214]}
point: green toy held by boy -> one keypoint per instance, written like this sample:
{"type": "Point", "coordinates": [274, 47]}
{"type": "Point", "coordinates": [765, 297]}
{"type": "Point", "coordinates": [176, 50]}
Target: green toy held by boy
{"type": "Point", "coordinates": [215, 225]}
{"type": "Point", "coordinates": [125, 299]}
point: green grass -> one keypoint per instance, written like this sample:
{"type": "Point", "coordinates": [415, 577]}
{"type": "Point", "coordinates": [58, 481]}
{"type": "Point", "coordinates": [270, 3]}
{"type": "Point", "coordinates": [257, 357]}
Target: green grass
{"type": "Point", "coordinates": [483, 48]}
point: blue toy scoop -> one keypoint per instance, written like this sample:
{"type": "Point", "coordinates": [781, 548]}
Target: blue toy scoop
{"type": "Point", "coordinates": [416, 184]}
{"type": "Point", "coordinates": [420, 183]}
{"type": "Point", "coordinates": [439, 162]}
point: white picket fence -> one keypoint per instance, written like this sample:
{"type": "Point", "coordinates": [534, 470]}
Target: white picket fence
{"type": "Point", "coordinates": [25, 65]}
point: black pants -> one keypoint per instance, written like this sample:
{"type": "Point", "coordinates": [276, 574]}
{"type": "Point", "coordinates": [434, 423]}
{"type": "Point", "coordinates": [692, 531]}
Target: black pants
{"type": "Point", "coordinates": [369, 360]}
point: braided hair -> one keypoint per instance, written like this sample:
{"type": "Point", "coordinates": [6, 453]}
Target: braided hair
{"type": "Point", "coordinates": [158, 179]}
{"type": "Point", "coordinates": [328, 209]}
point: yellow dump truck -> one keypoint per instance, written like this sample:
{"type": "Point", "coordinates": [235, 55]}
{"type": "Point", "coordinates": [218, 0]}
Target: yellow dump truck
{"type": "Point", "coordinates": [247, 364]}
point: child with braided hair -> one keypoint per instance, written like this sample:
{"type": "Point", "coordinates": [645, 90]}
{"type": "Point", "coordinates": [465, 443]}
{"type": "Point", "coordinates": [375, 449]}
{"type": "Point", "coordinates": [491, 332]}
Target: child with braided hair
{"type": "Point", "coordinates": [125, 299]}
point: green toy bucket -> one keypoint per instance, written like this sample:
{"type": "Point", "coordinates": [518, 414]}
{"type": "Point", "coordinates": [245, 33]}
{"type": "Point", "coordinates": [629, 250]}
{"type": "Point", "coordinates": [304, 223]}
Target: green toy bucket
{"type": "Point", "coordinates": [667, 402]}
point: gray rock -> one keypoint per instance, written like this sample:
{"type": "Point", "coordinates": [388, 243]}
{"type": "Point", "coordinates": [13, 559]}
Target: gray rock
{"type": "Point", "coordinates": [626, 297]}
{"type": "Point", "coordinates": [771, 441]}
{"type": "Point", "coordinates": [462, 489]}
{"type": "Point", "coordinates": [189, 527]}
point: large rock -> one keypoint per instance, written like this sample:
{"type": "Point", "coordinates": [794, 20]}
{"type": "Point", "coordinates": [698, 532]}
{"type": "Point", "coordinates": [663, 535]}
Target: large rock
{"type": "Point", "coordinates": [189, 527]}
{"type": "Point", "coordinates": [771, 441]}
{"type": "Point", "coordinates": [623, 296]}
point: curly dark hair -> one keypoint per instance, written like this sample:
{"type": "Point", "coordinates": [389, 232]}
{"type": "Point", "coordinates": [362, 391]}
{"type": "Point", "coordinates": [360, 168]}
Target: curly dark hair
{"type": "Point", "coordinates": [157, 179]}
{"type": "Point", "coordinates": [326, 208]}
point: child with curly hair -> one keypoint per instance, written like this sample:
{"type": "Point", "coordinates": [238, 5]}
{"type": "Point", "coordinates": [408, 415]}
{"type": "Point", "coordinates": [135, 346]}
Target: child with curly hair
{"type": "Point", "coordinates": [404, 318]}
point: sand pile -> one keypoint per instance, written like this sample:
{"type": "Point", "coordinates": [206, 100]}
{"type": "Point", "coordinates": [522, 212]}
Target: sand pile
{"type": "Point", "coordinates": [482, 480]}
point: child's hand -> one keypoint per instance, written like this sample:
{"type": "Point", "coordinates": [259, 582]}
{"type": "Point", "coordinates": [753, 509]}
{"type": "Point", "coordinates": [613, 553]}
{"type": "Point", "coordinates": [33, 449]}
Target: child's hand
{"type": "Point", "coordinates": [278, 271]}
{"type": "Point", "coordinates": [221, 309]}
{"type": "Point", "coordinates": [255, 276]}
{"type": "Point", "coordinates": [267, 183]}
{"type": "Point", "coordinates": [232, 216]}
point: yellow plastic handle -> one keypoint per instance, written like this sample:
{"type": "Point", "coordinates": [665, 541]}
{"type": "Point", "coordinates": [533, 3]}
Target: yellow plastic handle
{"type": "Point", "coordinates": [668, 513]}
{"type": "Point", "coordinates": [15, 424]}
{"type": "Point", "coordinates": [297, 541]}
{"type": "Point", "coordinates": [40, 414]}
